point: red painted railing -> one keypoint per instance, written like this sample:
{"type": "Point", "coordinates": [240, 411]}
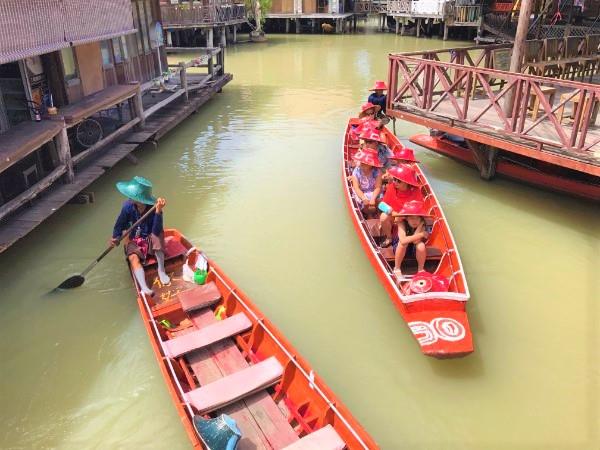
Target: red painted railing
{"type": "Point", "coordinates": [460, 87]}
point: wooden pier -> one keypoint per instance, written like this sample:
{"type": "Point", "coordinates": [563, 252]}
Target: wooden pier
{"type": "Point", "coordinates": [463, 92]}
{"type": "Point", "coordinates": [160, 112]}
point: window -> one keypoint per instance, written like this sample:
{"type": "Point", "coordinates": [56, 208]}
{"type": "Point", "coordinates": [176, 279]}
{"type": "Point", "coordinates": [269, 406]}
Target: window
{"type": "Point", "coordinates": [106, 53]}
{"type": "Point", "coordinates": [68, 62]}
{"type": "Point", "coordinates": [116, 43]}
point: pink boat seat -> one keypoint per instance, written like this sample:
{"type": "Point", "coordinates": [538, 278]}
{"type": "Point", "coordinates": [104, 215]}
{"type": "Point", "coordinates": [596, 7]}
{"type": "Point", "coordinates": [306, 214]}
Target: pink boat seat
{"type": "Point", "coordinates": [199, 297]}
{"type": "Point", "coordinates": [236, 386]}
{"type": "Point", "coordinates": [173, 249]}
{"type": "Point", "coordinates": [325, 438]}
{"type": "Point", "coordinates": [206, 336]}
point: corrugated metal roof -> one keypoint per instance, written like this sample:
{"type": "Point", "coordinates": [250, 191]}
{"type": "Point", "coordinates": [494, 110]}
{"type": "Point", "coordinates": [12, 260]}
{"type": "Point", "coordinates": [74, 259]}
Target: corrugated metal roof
{"type": "Point", "coordinates": [34, 27]}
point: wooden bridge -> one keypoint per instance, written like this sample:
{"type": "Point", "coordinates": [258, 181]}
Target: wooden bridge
{"type": "Point", "coordinates": [463, 92]}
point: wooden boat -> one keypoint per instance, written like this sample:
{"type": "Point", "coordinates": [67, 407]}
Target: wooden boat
{"type": "Point", "coordinates": [219, 354]}
{"type": "Point", "coordinates": [520, 168]}
{"type": "Point", "coordinates": [437, 318]}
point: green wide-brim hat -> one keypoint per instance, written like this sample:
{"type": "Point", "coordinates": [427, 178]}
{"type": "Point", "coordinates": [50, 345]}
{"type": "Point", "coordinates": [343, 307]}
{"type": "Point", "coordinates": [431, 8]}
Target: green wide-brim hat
{"type": "Point", "coordinates": [138, 189]}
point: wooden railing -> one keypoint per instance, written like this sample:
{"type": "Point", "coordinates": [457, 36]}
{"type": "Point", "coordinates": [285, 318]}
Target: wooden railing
{"type": "Point", "coordinates": [459, 86]}
{"type": "Point", "coordinates": [398, 6]}
{"type": "Point", "coordinates": [186, 15]}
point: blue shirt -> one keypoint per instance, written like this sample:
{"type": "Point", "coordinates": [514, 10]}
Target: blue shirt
{"type": "Point", "coordinates": [378, 100]}
{"type": "Point", "coordinates": [153, 224]}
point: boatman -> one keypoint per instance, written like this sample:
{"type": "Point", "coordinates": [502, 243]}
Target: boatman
{"type": "Point", "coordinates": [378, 97]}
{"type": "Point", "coordinates": [145, 239]}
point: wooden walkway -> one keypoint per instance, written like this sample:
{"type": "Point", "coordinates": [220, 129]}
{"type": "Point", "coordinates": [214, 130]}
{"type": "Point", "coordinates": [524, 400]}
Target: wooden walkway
{"type": "Point", "coordinates": [24, 221]}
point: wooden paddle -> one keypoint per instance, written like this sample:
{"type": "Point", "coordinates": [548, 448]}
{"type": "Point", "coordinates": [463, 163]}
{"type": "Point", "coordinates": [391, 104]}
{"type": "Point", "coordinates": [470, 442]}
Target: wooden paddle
{"type": "Point", "coordinates": [78, 280]}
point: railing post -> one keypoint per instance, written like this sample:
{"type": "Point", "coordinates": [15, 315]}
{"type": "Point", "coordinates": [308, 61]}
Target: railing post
{"type": "Point", "coordinates": [139, 107]}
{"type": "Point", "coordinates": [183, 79]}
{"type": "Point", "coordinates": [210, 62]}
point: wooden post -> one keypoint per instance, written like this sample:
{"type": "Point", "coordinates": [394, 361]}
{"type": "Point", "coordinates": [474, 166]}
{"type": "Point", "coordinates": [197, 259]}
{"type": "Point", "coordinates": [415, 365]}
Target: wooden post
{"type": "Point", "coordinates": [169, 39]}
{"type": "Point", "coordinates": [402, 28]}
{"type": "Point", "coordinates": [397, 25]}
{"type": "Point", "coordinates": [518, 50]}
{"type": "Point", "coordinates": [445, 31]}
{"type": "Point", "coordinates": [64, 153]}
{"type": "Point", "coordinates": [298, 29]}
{"type": "Point", "coordinates": [418, 27]}
{"type": "Point", "coordinates": [287, 25]}
{"type": "Point", "coordinates": [139, 107]}
{"type": "Point", "coordinates": [235, 34]}
{"type": "Point", "coordinates": [183, 79]}
{"type": "Point", "coordinates": [223, 38]}
{"type": "Point", "coordinates": [211, 68]}
{"type": "Point", "coordinates": [313, 23]}
{"type": "Point", "coordinates": [485, 158]}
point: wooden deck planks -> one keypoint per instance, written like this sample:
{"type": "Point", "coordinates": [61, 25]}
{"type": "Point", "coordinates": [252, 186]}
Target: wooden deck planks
{"type": "Point", "coordinates": [262, 407]}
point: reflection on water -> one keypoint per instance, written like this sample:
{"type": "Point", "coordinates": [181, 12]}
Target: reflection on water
{"type": "Point", "coordinates": [254, 178]}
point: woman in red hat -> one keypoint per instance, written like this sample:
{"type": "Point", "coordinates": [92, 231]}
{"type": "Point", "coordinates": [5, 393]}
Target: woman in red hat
{"type": "Point", "coordinates": [411, 236]}
{"type": "Point", "coordinates": [366, 180]}
{"type": "Point", "coordinates": [404, 187]}
{"type": "Point", "coordinates": [403, 155]}
{"type": "Point", "coordinates": [378, 97]}
{"type": "Point", "coordinates": [367, 119]}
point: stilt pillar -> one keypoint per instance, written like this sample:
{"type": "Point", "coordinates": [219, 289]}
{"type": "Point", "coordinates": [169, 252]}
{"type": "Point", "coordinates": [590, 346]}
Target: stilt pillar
{"type": "Point", "coordinates": [287, 25]}
{"type": "Point", "coordinates": [234, 33]}
{"type": "Point", "coordinates": [418, 27]}
{"type": "Point", "coordinates": [223, 37]}
{"type": "Point", "coordinates": [313, 25]}
{"type": "Point", "coordinates": [209, 38]}
{"type": "Point", "coordinates": [397, 25]}
{"type": "Point", "coordinates": [169, 39]}
{"type": "Point", "coordinates": [445, 31]}
{"type": "Point", "coordinates": [485, 157]}
{"type": "Point", "coordinates": [64, 153]}
{"type": "Point", "coordinates": [298, 27]}
{"type": "Point", "coordinates": [402, 28]}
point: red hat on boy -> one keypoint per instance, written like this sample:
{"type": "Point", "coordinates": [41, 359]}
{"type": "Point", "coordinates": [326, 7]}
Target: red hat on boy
{"type": "Point", "coordinates": [367, 106]}
{"type": "Point", "coordinates": [400, 152]}
{"type": "Point", "coordinates": [405, 173]}
{"type": "Point", "coordinates": [413, 208]}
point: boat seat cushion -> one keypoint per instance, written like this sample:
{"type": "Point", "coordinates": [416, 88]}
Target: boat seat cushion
{"type": "Point", "coordinates": [236, 386]}
{"type": "Point", "coordinates": [372, 226]}
{"type": "Point", "coordinates": [325, 438]}
{"type": "Point", "coordinates": [432, 253]}
{"type": "Point", "coordinates": [206, 336]}
{"type": "Point", "coordinates": [199, 297]}
{"type": "Point", "coordinates": [173, 249]}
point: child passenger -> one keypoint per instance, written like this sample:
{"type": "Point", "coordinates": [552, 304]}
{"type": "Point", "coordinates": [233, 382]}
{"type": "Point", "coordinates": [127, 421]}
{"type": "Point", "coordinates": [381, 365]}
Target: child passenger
{"type": "Point", "coordinates": [366, 180]}
{"type": "Point", "coordinates": [411, 236]}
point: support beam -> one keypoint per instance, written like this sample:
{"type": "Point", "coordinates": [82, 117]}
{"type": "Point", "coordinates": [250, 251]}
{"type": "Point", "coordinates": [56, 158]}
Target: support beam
{"type": "Point", "coordinates": [287, 25]}
{"type": "Point", "coordinates": [298, 27]}
{"type": "Point", "coordinates": [183, 79]}
{"type": "Point", "coordinates": [313, 24]}
{"type": "Point", "coordinates": [402, 28]}
{"type": "Point", "coordinates": [169, 39]}
{"type": "Point", "coordinates": [397, 25]}
{"type": "Point", "coordinates": [138, 106]}
{"type": "Point", "coordinates": [64, 154]}
{"type": "Point", "coordinates": [223, 38]}
{"type": "Point", "coordinates": [445, 31]}
{"type": "Point", "coordinates": [418, 27]}
{"type": "Point", "coordinates": [234, 33]}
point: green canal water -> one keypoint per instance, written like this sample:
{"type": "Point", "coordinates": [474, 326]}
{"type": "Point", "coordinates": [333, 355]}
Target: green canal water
{"type": "Point", "coordinates": [254, 179]}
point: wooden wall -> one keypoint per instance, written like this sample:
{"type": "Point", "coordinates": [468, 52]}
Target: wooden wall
{"type": "Point", "coordinates": [309, 6]}
{"type": "Point", "coordinates": [89, 62]}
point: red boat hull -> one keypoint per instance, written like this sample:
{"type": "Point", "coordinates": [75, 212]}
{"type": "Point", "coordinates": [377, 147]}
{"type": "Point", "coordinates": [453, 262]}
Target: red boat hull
{"type": "Point", "coordinates": [512, 170]}
{"type": "Point", "coordinates": [438, 322]}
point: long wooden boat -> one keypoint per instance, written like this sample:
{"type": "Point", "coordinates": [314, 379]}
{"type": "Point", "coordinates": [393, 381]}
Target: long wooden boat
{"type": "Point", "coordinates": [436, 314]}
{"type": "Point", "coordinates": [219, 355]}
{"type": "Point", "coordinates": [519, 168]}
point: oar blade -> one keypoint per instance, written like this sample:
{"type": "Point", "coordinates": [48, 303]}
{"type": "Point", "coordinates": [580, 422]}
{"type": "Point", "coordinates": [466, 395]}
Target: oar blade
{"type": "Point", "coordinates": [72, 282]}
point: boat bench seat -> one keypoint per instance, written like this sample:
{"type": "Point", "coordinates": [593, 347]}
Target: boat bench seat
{"type": "Point", "coordinates": [236, 386]}
{"type": "Point", "coordinates": [199, 297]}
{"type": "Point", "coordinates": [206, 336]}
{"type": "Point", "coordinates": [372, 226]}
{"type": "Point", "coordinates": [432, 253]}
{"type": "Point", "coordinates": [325, 438]}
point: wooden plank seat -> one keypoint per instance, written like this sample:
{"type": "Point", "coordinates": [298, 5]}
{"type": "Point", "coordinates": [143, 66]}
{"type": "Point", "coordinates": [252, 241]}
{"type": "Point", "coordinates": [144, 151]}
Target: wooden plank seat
{"type": "Point", "coordinates": [325, 438]}
{"type": "Point", "coordinates": [206, 336]}
{"type": "Point", "coordinates": [432, 253]}
{"type": "Point", "coordinates": [236, 386]}
{"type": "Point", "coordinates": [173, 249]}
{"type": "Point", "coordinates": [199, 297]}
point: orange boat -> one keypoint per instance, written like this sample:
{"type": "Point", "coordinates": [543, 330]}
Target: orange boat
{"type": "Point", "coordinates": [521, 168]}
{"type": "Point", "coordinates": [219, 355]}
{"type": "Point", "coordinates": [435, 312]}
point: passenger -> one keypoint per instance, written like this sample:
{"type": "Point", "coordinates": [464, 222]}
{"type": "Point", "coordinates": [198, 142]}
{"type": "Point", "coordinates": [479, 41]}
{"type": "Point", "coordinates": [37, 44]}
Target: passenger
{"type": "Point", "coordinates": [403, 188]}
{"type": "Point", "coordinates": [374, 140]}
{"type": "Point", "coordinates": [411, 237]}
{"type": "Point", "coordinates": [367, 119]}
{"type": "Point", "coordinates": [378, 97]}
{"type": "Point", "coordinates": [148, 237]}
{"type": "Point", "coordinates": [402, 155]}
{"type": "Point", "coordinates": [366, 180]}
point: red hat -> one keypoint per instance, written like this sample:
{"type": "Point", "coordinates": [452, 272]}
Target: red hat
{"type": "Point", "coordinates": [367, 106]}
{"type": "Point", "coordinates": [402, 153]}
{"type": "Point", "coordinates": [413, 208]}
{"type": "Point", "coordinates": [405, 173]}
{"type": "Point", "coordinates": [371, 134]}
{"type": "Point", "coordinates": [424, 282]}
{"type": "Point", "coordinates": [379, 86]}
{"type": "Point", "coordinates": [368, 157]}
